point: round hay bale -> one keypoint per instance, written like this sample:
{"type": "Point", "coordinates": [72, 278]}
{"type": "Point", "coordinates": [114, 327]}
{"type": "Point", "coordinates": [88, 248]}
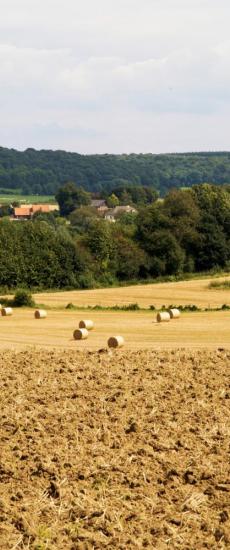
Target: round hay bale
{"type": "Point", "coordinates": [174, 313]}
{"type": "Point", "coordinates": [163, 316]}
{"type": "Point", "coordinates": [80, 334]}
{"type": "Point", "coordinates": [6, 311]}
{"type": "Point", "coordinates": [86, 323]}
{"type": "Point", "coordinates": [40, 314]}
{"type": "Point", "coordinates": [116, 341]}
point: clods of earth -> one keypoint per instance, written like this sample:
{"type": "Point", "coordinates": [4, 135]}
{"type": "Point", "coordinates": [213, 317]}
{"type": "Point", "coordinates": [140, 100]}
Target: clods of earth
{"type": "Point", "coordinates": [115, 450]}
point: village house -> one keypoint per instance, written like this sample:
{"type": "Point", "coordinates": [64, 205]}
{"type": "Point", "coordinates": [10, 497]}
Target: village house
{"type": "Point", "coordinates": [100, 205]}
{"type": "Point", "coordinates": [113, 213]}
{"type": "Point", "coordinates": [22, 213]}
{"type": "Point", "coordinates": [26, 211]}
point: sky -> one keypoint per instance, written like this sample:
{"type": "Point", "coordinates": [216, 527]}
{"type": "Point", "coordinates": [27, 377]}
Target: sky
{"type": "Point", "coordinates": [115, 76]}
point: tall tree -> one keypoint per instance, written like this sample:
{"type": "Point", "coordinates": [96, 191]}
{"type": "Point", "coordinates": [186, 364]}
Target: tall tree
{"type": "Point", "coordinates": [70, 197]}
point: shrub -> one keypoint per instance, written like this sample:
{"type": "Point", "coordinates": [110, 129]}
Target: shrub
{"type": "Point", "coordinates": [131, 307]}
{"type": "Point", "coordinates": [190, 307]}
{"type": "Point", "coordinates": [23, 298]}
{"type": "Point", "coordinates": [219, 284]}
{"type": "Point", "coordinates": [86, 280]}
{"type": "Point", "coordinates": [70, 306]}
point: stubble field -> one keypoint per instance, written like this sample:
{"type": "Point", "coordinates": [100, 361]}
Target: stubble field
{"type": "Point", "coordinates": [183, 292]}
{"type": "Point", "coordinates": [140, 330]}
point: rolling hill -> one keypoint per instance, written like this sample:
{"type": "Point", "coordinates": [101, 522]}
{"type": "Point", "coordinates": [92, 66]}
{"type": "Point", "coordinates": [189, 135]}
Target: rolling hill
{"type": "Point", "coordinates": [42, 172]}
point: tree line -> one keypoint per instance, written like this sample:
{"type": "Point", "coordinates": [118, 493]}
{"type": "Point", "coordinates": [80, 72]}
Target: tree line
{"type": "Point", "coordinates": [187, 232]}
{"type": "Point", "coordinates": [43, 172]}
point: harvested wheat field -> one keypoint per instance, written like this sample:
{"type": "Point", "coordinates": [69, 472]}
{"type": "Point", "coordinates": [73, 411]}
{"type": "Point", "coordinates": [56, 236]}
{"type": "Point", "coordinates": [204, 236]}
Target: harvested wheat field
{"type": "Point", "coordinates": [139, 329]}
{"type": "Point", "coordinates": [195, 291]}
{"type": "Point", "coordinates": [115, 450]}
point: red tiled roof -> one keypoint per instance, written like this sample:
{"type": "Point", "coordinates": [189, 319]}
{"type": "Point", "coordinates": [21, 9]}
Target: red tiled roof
{"type": "Point", "coordinates": [22, 211]}
{"type": "Point", "coordinates": [40, 208]}
{"type": "Point", "coordinates": [31, 209]}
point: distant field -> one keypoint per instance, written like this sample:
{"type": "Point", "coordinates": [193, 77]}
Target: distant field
{"type": "Point", "coordinates": [27, 199]}
{"type": "Point", "coordinates": [140, 330]}
{"type": "Point", "coordinates": [183, 292]}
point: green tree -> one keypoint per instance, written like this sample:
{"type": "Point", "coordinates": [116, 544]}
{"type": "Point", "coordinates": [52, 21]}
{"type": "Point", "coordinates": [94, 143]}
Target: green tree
{"type": "Point", "coordinates": [112, 201]}
{"type": "Point", "coordinates": [167, 249]}
{"type": "Point", "coordinates": [213, 249]}
{"type": "Point", "coordinates": [183, 212]}
{"type": "Point", "coordinates": [155, 237]}
{"type": "Point", "coordinates": [70, 197]}
{"type": "Point", "coordinates": [215, 202]}
{"type": "Point", "coordinates": [150, 219]}
{"type": "Point", "coordinates": [130, 260]}
{"type": "Point", "coordinates": [81, 218]}
{"type": "Point", "coordinates": [38, 256]}
{"type": "Point", "coordinates": [5, 210]}
{"type": "Point", "coordinates": [100, 243]}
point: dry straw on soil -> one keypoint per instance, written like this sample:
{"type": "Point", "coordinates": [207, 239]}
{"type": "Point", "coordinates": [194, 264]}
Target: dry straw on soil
{"type": "Point", "coordinates": [124, 450]}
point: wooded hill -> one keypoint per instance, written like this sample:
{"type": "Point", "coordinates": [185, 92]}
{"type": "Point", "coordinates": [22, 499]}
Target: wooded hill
{"type": "Point", "coordinates": [43, 172]}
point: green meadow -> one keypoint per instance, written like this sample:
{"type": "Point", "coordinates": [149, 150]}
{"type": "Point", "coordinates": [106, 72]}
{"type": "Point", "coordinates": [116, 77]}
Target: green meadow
{"type": "Point", "coordinates": [26, 199]}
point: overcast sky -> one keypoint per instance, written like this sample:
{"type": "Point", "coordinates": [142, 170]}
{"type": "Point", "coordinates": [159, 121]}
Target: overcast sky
{"type": "Point", "coordinates": [115, 76]}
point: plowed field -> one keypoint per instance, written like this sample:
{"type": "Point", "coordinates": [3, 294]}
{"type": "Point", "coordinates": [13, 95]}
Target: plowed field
{"type": "Point", "coordinates": [117, 451]}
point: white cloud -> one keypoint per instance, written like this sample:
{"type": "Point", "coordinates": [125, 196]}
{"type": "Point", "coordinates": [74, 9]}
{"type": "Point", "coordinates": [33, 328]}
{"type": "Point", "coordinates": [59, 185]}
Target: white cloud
{"type": "Point", "coordinates": [105, 76]}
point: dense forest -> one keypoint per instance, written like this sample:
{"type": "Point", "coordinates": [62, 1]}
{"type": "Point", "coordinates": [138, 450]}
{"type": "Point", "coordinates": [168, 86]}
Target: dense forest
{"type": "Point", "coordinates": [189, 231]}
{"type": "Point", "coordinates": [43, 172]}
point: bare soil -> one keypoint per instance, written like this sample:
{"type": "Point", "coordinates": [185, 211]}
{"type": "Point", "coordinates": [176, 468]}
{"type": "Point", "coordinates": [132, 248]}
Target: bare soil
{"type": "Point", "coordinates": [115, 450]}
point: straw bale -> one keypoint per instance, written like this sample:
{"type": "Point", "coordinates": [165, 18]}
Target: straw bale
{"type": "Point", "coordinates": [86, 323]}
{"type": "Point", "coordinates": [80, 334]}
{"type": "Point", "coordinates": [6, 311]}
{"type": "Point", "coordinates": [116, 341]}
{"type": "Point", "coordinates": [174, 313]}
{"type": "Point", "coordinates": [40, 314]}
{"type": "Point", "coordinates": [163, 316]}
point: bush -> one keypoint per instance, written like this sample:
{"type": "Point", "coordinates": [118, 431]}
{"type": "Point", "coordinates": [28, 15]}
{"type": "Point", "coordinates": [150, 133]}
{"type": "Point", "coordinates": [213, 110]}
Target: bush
{"type": "Point", "coordinates": [189, 307]}
{"type": "Point", "coordinates": [86, 280]}
{"type": "Point", "coordinates": [23, 298]}
{"type": "Point", "coordinates": [131, 307]}
{"type": "Point", "coordinates": [220, 284]}
{"type": "Point", "coordinates": [70, 306]}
